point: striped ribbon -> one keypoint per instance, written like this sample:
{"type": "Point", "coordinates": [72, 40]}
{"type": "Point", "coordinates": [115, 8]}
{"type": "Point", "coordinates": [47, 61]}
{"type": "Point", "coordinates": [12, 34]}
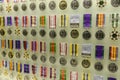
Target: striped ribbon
{"type": "Point", "coordinates": [53, 47]}
{"type": "Point", "coordinates": [18, 44]}
{"type": "Point", "coordinates": [42, 47]}
{"type": "Point", "coordinates": [2, 21]}
{"type": "Point", "coordinates": [9, 21]}
{"type": "Point", "coordinates": [34, 45]}
{"type": "Point", "coordinates": [52, 22]}
{"type": "Point", "coordinates": [53, 73]}
{"type": "Point", "coordinates": [33, 21]}
{"type": "Point", "coordinates": [16, 20]}
{"type": "Point", "coordinates": [73, 75]}
{"type": "Point", "coordinates": [115, 19]}
{"type": "Point", "coordinates": [63, 49]}
{"type": "Point", "coordinates": [4, 63]}
{"type": "Point", "coordinates": [63, 75]}
{"type": "Point", "coordinates": [34, 69]}
{"type": "Point", "coordinates": [11, 65]}
{"type": "Point", "coordinates": [16, 1]}
{"type": "Point", "coordinates": [25, 45]}
{"type": "Point", "coordinates": [25, 21]}
{"type": "Point", "coordinates": [42, 21]}
{"type": "Point", "coordinates": [10, 44]}
{"type": "Point", "coordinates": [43, 72]}
{"type": "Point", "coordinates": [19, 67]}
{"type": "Point", "coordinates": [64, 20]}
{"type": "Point", "coordinates": [3, 44]}
{"type": "Point", "coordinates": [74, 49]}
{"type": "Point", "coordinates": [87, 20]}
{"type": "Point", "coordinates": [85, 76]}
{"type": "Point", "coordinates": [100, 20]}
{"type": "Point", "coordinates": [26, 68]}
{"type": "Point", "coordinates": [113, 52]}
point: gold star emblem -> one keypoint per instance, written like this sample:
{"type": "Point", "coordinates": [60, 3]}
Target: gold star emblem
{"type": "Point", "coordinates": [8, 8]}
{"type": "Point", "coordinates": [17, 31]}
{"type": "Point", "coordinates": [26, 55]}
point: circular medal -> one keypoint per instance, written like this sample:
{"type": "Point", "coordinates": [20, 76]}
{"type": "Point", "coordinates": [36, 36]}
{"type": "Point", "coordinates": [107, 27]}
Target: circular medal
{"type": "Point", "coordinates": [63, 5]}
{"type": "Point", "coordinates": [15, 7]}
{"type": "Point", "coordinates": [24, 7]}
{"type": "Point", "coordinates": [115, 3]}
{"type": "Point", "coordinates": [52, 5]}
{"type": "Point", "coordinates": [42, 6]}
{"type": "Point", "coordinates": [32, 6]}
{"type": "Point", "coordinates": [74, 4]}
{"type": "Point", "coordinates": [87, 4]}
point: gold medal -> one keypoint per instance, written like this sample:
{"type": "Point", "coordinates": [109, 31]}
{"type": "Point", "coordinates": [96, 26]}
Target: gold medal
{"type": "Point", "coordinates": [63, 5]}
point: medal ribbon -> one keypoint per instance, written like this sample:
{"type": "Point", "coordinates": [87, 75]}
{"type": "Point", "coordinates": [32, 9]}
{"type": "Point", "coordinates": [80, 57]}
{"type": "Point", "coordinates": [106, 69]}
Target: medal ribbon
{"type": "Point", "coordinates": [10, 44]}
{"type": "Point", "coordinates": [100, 20]}
{"type": "Point", "coordinates": [63, 49]}
{"type": "Point", "coordinates": [52, 22]}
{"type": "Point", "coordinates": [74, 49]}
{"type": "Point", "coordinates": [2, 21]}
{"type": "Point", "coordinates": [42, 47]}
{"type": "Point", "coordinates": [42, 21]}
{"type": "Point", "coordinates": [113, 53]}
{"type": "Point", "coordinates": [53, 47]}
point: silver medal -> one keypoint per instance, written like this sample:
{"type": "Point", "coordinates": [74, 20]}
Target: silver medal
{"type": "Point", "coordinates": [63, 5]}
{"type": "Point", "coordinates": [9, 31]}
{"type": "Point", "coordinates": [34, 57]}
{"type": "Point", "coordinates": [52, 59]}
{"type": "Point", "coordinates": [52, 5]}
{"type": "Point", "coordinates": [74, 4]}
{"type": "Point", "coordinates": [87, 4]}
{"type": "Point", "coordinates": [42, 6]}
{"type": "Point", "coordinates": [33, 32]}
{"type": "Point", "coordinates": [73, 62]}
{"type": "Point", "coordinates": [32, 6]}
{"type": "Point", "coordinates": [115, 3]}
{"type": "Point", "coordinates": [42, 32]}
{"type": "Point", "coordinates": [4, 54]}
{"type": "Point", "coordinates": [63, 61]}
{"type": "Point", "coordinates": [25, 32]}
{"type": "Point", "coordinates": [112, 67]}
{"type": "Point", "coordinates": [43, 59]}
{"type": "Point", "coordinates": [24, 7]}
{"type": "Point", "coordinates": [98, 66]}
{"type": "Point", "coordinates": [15, 7]}
{"type": "Point", "coordinates": [18, 55]}
{"type": "Point", "coordinates": [52, 34]}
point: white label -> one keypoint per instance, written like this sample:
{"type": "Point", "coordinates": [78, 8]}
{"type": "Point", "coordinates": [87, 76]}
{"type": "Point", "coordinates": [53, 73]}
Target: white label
{"type": "Point", "coordinates": [75, 19]}
{"type": "Point", "coordinates": [96, 77]}
{"type": "Point", "coordinates": [86, 49]}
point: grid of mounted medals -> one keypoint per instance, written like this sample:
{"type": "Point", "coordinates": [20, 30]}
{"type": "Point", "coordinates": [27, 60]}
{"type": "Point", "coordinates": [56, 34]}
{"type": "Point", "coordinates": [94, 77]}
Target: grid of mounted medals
{"type": "Point", "coordinates": [59, 39]}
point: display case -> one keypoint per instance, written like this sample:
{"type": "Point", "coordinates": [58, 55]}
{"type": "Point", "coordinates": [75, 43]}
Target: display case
{"type": "Point", "coordinates": [59, 39]}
